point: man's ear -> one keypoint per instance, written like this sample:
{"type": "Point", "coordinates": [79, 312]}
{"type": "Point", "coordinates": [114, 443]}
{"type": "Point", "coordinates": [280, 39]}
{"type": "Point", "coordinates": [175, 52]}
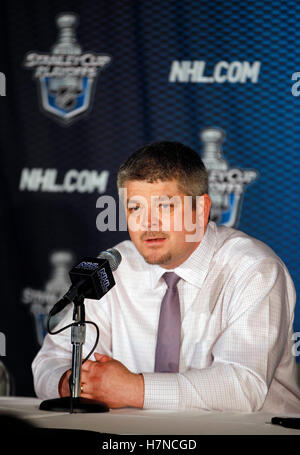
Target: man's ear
{"type": "Point", "coordinates": [207, 206]}
{"type": "Point", "coordinates": [200, 218]}
{"type": "Point", "coordinates": [203, 209]}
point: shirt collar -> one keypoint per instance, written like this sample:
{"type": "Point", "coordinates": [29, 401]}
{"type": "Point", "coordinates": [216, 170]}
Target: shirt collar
{"type": "Point", "coordinates": [194, 269]}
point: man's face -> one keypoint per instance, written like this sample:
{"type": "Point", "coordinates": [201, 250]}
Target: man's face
{"type": "Point", "coordinates": [161, 222]}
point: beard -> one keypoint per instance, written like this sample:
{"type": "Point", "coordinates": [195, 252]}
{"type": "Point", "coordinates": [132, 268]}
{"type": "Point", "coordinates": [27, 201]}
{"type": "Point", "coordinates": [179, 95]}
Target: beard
{"type": "Point", "coordinates": [163, 259]}
{"type": "Point", "coordinates": [154, 258]}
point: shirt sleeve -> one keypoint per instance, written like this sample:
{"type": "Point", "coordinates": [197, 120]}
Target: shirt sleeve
{"type": "Point", "coordinates": [245, 356]}
{"type": "Point", "coordinates": [55, 355]}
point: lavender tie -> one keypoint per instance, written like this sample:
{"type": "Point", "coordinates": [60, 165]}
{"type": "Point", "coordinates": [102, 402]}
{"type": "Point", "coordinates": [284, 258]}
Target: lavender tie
{"type": "Point", "coordinates": [169, 328]}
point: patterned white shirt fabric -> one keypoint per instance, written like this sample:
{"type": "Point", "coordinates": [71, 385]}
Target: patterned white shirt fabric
{"type": "Point", "coordinates": [237, 306]}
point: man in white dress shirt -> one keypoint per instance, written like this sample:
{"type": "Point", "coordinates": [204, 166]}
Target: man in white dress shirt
{"type": "Point", "coordinates": [236, 304]}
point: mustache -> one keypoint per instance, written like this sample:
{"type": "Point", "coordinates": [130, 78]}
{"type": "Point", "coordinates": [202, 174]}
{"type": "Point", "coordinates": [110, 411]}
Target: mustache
{"type": "Point", "coordinates": [153, 235]}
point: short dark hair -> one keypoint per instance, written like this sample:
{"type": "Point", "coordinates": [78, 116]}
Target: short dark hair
{"type": "Point", "coordinates": [166, 160]}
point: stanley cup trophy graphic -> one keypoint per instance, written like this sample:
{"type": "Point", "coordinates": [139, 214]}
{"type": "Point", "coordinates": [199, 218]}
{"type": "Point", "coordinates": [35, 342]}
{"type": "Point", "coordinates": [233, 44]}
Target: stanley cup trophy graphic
{"type": "Point", "coordinates": [67, 43]}
{"type": "Point", "coordinates": [66, 89]}
{"type": "Point", "coordinates": [212, 139]}
{"type": "Point", "coordinates": [226, 185]}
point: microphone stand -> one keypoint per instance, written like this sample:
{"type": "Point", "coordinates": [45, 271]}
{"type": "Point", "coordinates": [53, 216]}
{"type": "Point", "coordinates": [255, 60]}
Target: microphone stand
{"type": "Point", "coordinates": [74, 403]}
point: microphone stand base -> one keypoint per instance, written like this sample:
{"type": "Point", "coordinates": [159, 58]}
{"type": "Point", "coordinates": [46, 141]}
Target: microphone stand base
{"type": "Point", "coordinates": [73, 405]}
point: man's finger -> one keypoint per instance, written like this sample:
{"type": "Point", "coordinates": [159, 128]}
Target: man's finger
{"type": "Point", "coordinates": [85, 377]}
{"type": "Point", "coordinates": [87, 395]}
{"type": "Point", "coordinates": [85, 388]}
{"type": "Point", "coordinates": [101, 357]}
{"type": "Point", "coordinates": [87, 365]}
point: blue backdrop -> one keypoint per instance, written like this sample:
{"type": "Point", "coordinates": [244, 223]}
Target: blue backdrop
{"type": "Point", "coordinates": [158, 71]}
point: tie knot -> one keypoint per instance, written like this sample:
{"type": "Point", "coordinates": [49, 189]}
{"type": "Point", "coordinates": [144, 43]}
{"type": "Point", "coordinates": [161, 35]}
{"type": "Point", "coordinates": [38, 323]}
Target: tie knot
{"type": "Point", "coordinates": [171, 279]}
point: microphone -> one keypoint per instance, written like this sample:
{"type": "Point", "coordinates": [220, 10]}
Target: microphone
{"type": "Point", "coordinates": [91, 278]}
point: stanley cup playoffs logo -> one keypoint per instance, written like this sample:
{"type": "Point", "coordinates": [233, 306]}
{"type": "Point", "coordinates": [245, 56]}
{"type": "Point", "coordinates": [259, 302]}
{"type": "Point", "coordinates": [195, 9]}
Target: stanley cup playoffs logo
{"type": "Point", "coordinates": [40, 301]}
{"type": "Point", "coordinates": [66, 77]}
{"type": "Point", "coordinates": [226, 185]}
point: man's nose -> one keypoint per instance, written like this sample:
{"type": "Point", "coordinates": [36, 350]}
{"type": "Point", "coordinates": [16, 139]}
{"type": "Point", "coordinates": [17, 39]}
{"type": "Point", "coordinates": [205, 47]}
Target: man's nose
{"type": "Point", "coordinates": [150, 218]}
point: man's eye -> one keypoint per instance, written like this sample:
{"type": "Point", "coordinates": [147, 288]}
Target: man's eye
{"type": "Point", "coordinates": [135, 208]}
{"type": "Point", "coordinates": [166, 205]}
